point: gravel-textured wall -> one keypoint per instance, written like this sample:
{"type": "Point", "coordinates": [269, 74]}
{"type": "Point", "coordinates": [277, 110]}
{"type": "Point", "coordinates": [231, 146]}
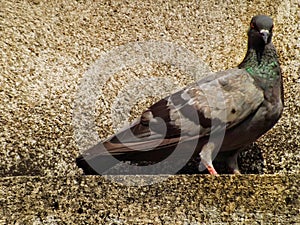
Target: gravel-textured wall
{"type": "Point", "coordinates": [180, 199]}
{"type": "Point", "coordinates": [46, 48]}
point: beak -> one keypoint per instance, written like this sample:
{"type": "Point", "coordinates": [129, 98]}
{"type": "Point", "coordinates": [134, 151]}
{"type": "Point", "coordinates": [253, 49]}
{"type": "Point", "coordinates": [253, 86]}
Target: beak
{"type": "Point", "coordinates": [265, 35]}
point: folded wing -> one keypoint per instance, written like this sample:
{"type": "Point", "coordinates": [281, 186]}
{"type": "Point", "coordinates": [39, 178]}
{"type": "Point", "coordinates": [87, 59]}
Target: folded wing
{"type": "Point", "coordinates": [222, 99]}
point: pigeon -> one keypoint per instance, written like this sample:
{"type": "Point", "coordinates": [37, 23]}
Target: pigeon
{"type": "Point", "coordinates": [216, 116]}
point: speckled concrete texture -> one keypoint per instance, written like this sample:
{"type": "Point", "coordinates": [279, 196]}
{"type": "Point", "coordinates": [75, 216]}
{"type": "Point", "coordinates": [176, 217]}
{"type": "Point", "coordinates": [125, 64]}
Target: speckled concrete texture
{"type": "Point", "coordinates": [47, 47]}
{"type": "Point", "coordinates": [180, 199]}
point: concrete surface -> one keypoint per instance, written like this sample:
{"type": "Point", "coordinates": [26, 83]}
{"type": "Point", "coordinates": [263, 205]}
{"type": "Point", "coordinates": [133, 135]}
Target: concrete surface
{"type": "Point", "coordinates": [188, 199]}
{"type": "Point", "coordinates": [46, 49]}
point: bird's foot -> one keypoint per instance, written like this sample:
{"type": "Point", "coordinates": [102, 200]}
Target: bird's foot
{"type": "Point", "coordinates": [236, 172]}
{"type": "Point", "coordinates": [206, 157]}
{"type": "Point", "coordinates": [212, 170]}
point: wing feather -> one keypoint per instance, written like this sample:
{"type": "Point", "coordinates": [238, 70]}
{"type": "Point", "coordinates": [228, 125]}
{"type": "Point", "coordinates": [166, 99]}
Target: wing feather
{"type": "Point", "coordinates": [226, 98]}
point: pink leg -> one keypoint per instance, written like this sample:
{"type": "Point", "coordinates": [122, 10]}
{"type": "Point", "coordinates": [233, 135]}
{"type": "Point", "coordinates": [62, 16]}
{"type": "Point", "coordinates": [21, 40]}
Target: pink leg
{"type": "Point", "coordinates": [212, 170]}
{"type": "Point", "coordinates": [233, 164]}
{"type": "Point", "coordinates": [206, 158]}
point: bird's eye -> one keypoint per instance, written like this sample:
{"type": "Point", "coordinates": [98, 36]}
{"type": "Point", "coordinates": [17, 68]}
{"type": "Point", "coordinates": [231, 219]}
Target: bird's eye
{"type": "Point", "coordinates": [252, 25]}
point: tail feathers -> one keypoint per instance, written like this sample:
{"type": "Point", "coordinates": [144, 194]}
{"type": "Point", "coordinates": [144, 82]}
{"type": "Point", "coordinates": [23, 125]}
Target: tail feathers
{"type": "Point", "coordinates": [135, 144]}
{"type": "Point", "coordinates": [95, 166]}
{"type": "Point", "coordinates": [104, 156]}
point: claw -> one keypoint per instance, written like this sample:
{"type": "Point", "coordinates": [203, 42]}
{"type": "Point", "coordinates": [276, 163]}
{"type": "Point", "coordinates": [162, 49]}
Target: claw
{"type": "Point", "coordinates": [236, 172]}
{"type": "Point", "coordinates": [212, 170]}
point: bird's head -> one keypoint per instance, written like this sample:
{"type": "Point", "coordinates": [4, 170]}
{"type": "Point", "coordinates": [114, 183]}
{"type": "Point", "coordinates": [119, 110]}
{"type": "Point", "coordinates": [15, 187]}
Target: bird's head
{"type": "Point", "coordinates": [260, 31]}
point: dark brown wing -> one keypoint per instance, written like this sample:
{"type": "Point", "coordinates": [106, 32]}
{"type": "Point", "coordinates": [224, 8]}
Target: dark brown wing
{"type": "Point", "coordinates": [227, 98]}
